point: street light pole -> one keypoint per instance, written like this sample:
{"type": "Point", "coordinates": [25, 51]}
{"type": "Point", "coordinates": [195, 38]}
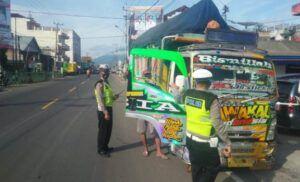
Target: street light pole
{"type": "Point", "coordinates": [126, 45]}
{"type": "Point", "coordinates": [127, 35]}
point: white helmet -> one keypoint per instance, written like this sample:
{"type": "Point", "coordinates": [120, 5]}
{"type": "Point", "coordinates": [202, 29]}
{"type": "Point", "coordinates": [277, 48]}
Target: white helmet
{"type": "Point", "coordinates": [202, 74]}
{"type": "Point", "coordinates": [103, 66]}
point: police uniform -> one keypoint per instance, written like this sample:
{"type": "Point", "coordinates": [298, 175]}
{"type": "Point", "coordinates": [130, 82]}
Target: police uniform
{"type": "Point", "coordinates": [203, 123]}
{"type": "Point", "coordinates": [105, 126]}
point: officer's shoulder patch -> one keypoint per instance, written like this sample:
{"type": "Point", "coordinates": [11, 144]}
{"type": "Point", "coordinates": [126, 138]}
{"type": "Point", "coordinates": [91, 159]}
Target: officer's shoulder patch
{"type": "Point", "coordinates": [190, 101]}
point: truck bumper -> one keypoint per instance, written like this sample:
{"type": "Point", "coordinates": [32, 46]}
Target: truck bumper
{"type": "Point", "coordinates": [254, 155]}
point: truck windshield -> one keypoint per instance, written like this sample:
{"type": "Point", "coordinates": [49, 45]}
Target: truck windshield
{"type": "Point", "coordinates": [238, 74]}
{"type": "Point", "coordinates": [152, 71]}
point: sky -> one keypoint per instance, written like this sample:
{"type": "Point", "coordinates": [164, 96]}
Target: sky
{"type": "Point", "coordinates": [98, 31]}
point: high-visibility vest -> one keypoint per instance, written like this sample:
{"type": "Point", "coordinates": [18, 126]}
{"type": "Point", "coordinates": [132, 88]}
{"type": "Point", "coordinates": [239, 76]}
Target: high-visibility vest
{"type": "Point", "coordinates": [197, 105]}
{"type": "Point", "coordinates": [107, 94]}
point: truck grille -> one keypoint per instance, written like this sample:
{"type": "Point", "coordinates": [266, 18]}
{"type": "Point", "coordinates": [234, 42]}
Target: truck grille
{"type": "Point", "coordinates": [240, 134]}
{"type": "Point", "coordinates": [243, 150]}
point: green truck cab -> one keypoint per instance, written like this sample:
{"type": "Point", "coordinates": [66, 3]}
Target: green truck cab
{"type": "Point", "coordinates": [243, 79]}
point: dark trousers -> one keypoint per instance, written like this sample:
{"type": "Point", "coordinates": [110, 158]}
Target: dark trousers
{"type": "Point", "coordinates": [205, 161]}
{"type": "Point", "coordinates": [105, 128]}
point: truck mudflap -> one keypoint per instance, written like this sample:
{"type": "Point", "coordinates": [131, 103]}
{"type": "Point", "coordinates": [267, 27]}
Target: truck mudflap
{"type": "Point", "coordinates": [256, 155]}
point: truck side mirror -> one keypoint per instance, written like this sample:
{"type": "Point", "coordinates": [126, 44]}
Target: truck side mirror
{"type": "Point", "coordinates": [180, 82]}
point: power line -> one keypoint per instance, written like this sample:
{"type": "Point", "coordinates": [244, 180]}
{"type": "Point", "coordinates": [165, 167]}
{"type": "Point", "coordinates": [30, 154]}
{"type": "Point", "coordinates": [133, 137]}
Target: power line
{"type": "Point", "coordinates": [138, 2]}
{"type": "Point", "coordinates": [96, 37]}
{"type": "Point", "coordinates": [41, 4]}
{"type": "Point", "coordinates": [31, 4]}
{"type": "Point", "coordinates": [135, 3]}
{"type": "Point", "coordinates": [103, 37]}
{"type": "Point", "coordinates": [277, 21]}
{"type": "Point", "coordinates": [222, 2]}
{"type": "Point", "coordinates": [282, 20]}
{"type": "Point", "coordinates": [151, 6]}
{"type": "Point", "coordinates": [169, 4]}
{"type": "Point", "coordinates": [70, 15]}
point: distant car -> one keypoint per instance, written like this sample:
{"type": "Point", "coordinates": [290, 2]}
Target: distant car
{"type": "Point", "coordinates": [96, 71]}
{"type": "Point", "coordinates": [288, 112]}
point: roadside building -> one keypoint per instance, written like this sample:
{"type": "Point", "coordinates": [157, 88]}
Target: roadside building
{"type": "Point", "coordinates": [86, 59]}
{"type": "Point", "coordinates": [142, 18]}
{"type": "Point", "coordinates": [53, 41]}
{"type": "Point", "coordinates": [74, 42]}
{"type": "Point", "coordinates": [86, 62]}
{"type": "Point", "coordinates": [28, 52]}
{"type": "Point", "coordinates": [285, 55]}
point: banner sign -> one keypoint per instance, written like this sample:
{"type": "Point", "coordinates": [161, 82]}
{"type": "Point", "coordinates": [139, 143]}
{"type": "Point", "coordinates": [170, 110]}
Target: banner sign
{"type": "Point", "coordinates": [5, 32]}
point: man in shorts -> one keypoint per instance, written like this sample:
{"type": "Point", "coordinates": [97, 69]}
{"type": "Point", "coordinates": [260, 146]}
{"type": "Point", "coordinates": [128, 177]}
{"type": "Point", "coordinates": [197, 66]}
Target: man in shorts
{"type": "Point", "coordinates": [142, 126]}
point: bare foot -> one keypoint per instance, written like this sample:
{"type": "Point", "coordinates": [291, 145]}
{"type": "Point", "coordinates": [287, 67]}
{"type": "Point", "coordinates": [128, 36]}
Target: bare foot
{"type": "Point", "coordinates": [145, 153]}
{"type": "Point", "coordinates": [162, 156]}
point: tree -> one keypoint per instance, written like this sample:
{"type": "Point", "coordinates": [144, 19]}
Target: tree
{"type": "Point", "coordinates": [3, 58]}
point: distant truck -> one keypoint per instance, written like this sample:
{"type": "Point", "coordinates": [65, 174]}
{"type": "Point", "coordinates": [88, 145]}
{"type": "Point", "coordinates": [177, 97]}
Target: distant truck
{"type": "Point", "coordinates": [243, 79]}
{"type": "Point", "coordinates": [70, 68]}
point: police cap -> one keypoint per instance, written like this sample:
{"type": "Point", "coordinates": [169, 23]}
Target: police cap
{"type": "Point", "coordinates": [202, 74]}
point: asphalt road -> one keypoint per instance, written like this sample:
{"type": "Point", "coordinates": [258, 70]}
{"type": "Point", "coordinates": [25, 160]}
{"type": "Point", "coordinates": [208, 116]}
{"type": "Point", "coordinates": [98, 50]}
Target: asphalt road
{"type": "Point", "coordinates": [48, 133]}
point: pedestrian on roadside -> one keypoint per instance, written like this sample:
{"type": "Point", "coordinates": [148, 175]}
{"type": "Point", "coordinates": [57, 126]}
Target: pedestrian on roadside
{"type": "Point", "coordinates": [88, 73]}
{"type": "Point", "coordinates": [104, 97]}
{"type": "Point", "coordinates": [142, 127]}
{"type": "Point", "coordinates": [204, 128]}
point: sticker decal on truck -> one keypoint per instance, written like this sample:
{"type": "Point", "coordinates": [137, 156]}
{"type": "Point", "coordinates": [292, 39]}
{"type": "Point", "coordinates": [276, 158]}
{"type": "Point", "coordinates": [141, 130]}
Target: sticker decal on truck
{"type": "Point", "coordinates": [233, 61]}
{"type": "Point", "coordinates": [245, 112]}
{"type": "Point", "coordinates": [171, 129]}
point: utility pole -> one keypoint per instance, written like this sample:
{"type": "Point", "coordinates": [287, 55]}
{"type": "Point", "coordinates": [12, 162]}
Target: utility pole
{"type": "Point", "coordinates": [19, 58]}
{"type": "Point", "coordinates": [225, 11]}
{"type": "Point", "coordinates": [126, 37]}
{"type": "Point", "coordinates": [15, 41]}
{"type": "Point", "coordinates": [56, 48]}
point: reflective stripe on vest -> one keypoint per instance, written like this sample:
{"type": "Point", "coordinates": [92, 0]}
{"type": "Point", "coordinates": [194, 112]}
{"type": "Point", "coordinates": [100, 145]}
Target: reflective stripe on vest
{"type": "Point", "coordinates": [108, 95]}
{"type": "Point", "coordinates": [97, 96]}
{"type": "Point", "coordinates": [198, 117]}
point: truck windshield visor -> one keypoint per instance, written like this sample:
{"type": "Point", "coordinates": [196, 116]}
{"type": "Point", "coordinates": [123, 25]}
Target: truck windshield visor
{"type": "Point", "coordinates": [237, 73]}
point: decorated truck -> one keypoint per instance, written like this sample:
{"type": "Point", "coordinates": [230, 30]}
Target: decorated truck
{"type": "Point", "coordinates": [70, 68]}
{"type": "Point", "coordinates": [243, 79]}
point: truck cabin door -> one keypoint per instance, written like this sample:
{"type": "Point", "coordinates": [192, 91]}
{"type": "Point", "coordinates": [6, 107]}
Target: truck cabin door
{"type": "Point", "coordinates": [149, 96]}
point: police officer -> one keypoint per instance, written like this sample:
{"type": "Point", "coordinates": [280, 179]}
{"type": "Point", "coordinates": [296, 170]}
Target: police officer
{"type": "Point", "coordinates": [204, 127]}
{"type": "Point", "coordinates": [104, 97]}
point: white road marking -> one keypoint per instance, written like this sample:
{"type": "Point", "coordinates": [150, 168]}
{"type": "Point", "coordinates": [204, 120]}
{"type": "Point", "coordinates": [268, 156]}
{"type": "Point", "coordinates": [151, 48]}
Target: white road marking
{"type": "Point", "coordinates": [72, 89]}
{"type": "Point", "coordinates": [235, 177]}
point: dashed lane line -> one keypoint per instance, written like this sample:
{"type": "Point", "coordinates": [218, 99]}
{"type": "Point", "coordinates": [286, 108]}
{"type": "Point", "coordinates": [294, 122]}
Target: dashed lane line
{"type": "Point", "coordinates": [72, 89]}
{"type": "Point", "coordinates": [49, 104]}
